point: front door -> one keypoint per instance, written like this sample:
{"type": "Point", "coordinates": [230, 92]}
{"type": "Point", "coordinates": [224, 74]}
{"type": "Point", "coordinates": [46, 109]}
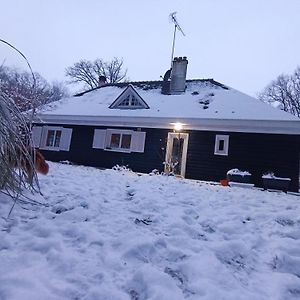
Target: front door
{"type": "Point", "coordinates": [176, 153]}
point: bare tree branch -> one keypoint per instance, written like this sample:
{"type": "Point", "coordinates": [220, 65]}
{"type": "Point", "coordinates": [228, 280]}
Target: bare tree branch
{"type": "Point", "coordinates": [19, 86]}
{"type": "Point", "coordinates": [89, 73]}
{"type": "Point", "coordinates": [285, 92]}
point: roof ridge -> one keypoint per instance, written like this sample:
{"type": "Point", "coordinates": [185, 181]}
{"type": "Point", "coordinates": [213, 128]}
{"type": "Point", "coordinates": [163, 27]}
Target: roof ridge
{"type": "Point", "coordinates": [125, 83]}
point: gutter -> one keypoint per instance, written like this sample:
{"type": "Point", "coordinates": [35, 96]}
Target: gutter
{"type": "Point", "coordinates": [239, 125]}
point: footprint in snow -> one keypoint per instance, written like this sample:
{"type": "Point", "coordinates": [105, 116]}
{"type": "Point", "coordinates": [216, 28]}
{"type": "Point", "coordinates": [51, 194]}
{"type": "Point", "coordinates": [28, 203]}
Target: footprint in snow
{"type": "Point", "coordinates": [175, 275]}
{"type": "Point", "coordinates": [130, 194]}
{"type": "Point", "coordinates": [207, 228]}
{"type": "Point", "coordinates": [58, 209]}
{"type": "Point", "coordinates": [285, 222]}
{"type": "Point", "coordinates": [146, 221]}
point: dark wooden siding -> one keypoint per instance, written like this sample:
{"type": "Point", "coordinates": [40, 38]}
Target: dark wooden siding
{"type": "Point", "coordinates": [81, 151]}
{"type": "Point", "coordinates": [256, 153]}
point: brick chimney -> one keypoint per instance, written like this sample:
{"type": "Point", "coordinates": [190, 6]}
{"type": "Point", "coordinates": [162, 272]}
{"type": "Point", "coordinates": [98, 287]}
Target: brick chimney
{"type": "Point", "coordinates": [102, 81]}
{"type": "Point", "coordinates": [178, 75]}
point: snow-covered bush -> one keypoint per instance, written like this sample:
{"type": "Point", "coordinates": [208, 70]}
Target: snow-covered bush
{"type": "Point", "coordinates": [66, 162]}
{"type": "Point", "coordinates": [154, 172]}
{"type": "Point", "coordinates": [236, 175]}
{"type": "Point", "coordinates": [270, 181]}
{"type": "Point", "coordinates": [238, 172]}
{"type": "Point", "coordinates": [170, 168]}
{"type": "Point", "coordinates": [271, 175]}
{"type": "Point", "coordinates": [121, 168]}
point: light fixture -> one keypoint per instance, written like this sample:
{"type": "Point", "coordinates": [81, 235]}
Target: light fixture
{"type": "Point", "coordinates": [178, 126]}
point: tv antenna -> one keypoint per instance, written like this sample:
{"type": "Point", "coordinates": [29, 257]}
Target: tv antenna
{"type": "Point", "coordinates": [173, 19]}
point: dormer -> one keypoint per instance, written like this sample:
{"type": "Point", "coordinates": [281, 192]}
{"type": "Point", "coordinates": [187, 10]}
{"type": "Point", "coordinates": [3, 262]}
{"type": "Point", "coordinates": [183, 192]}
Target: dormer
{"type": "Point", "coordinates": [129, 99]}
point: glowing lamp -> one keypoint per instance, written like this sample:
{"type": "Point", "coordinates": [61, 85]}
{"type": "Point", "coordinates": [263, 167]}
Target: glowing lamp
{"type": "Point", "coordinates": [178, 126]}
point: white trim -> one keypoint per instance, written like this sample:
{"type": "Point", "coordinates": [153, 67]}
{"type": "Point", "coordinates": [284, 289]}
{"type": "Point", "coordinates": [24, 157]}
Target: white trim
{"type": "Point", "coordinates": [129, 92]}
{"type": "Point", "coordinates": [110, 132]}
{"type": "Point", "coordinates": [138, 141]}
{"type": "Point", "coordinates": [65, 138]}
{"type": "Point", "coordinates": [43, 144]}
{"type": "Point", "coordinates": [219, 138]}
{"type": "Point", "coordinates": [171, 136]}
{"type": "Point", "coordinates": [102, 140]}
{"type": "Point", "coordinates": [247, 126]}
{"type": "Point", "coordinates": [36, 134]}
{"type": "Point", "coordinates": [99, 140]}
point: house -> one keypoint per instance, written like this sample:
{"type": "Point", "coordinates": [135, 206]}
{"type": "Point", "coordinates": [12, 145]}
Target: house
{"type": "Point", "coordinates": [198, 129]}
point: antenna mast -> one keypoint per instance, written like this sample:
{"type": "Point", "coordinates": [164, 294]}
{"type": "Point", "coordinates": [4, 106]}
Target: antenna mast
{"type": "Point", "coordinates": [177, 26]}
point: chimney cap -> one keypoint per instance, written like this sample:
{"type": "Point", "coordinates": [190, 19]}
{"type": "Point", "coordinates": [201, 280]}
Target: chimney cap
{"type": "Point", "coordinates": [102, 78]}
{"type": "Point", "coordinates": [180, 58]}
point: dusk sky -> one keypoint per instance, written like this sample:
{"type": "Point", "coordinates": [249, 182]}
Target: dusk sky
{"type": "Point", "coordinates": [243, 44]}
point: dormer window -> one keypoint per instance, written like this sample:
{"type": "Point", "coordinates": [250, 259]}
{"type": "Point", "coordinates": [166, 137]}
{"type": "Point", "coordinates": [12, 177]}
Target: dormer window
{"type": "Point", "coordinates": [129, 99]}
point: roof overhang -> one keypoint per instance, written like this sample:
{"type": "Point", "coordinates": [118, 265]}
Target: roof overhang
{"type": "Point", "coordinates": [232, 125]}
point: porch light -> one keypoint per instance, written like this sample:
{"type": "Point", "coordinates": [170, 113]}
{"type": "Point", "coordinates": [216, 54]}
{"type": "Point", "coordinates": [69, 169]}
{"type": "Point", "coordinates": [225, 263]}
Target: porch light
{"type": "Point", "coordinates": [178, 126]}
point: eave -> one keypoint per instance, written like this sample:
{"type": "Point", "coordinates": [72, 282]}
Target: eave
{"type": "Point", "coordinates": [231, 125]}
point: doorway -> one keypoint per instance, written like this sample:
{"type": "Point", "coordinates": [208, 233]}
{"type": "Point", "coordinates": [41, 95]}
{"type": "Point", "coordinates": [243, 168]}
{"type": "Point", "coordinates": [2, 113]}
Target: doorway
{"type": "Point", "coordinates": [176, 153]}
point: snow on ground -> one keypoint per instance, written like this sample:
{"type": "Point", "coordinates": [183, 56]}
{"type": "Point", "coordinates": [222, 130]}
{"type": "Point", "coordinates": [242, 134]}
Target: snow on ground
{"type": "Point", "coordinates": [115, 235]}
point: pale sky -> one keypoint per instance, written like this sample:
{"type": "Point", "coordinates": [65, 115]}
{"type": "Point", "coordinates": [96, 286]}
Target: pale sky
{"type": "Point", "coordinates": [241, 43]}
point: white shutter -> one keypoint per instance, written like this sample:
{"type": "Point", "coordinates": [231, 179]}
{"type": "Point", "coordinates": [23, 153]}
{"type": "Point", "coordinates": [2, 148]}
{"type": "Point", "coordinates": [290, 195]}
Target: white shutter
{"type": "Point", "coordinates": [138, 141]}
{"type": "Point", "coordinates": [36, 134]}
{"type": "Point", "coordinates": [65, 140]}
{"type": "Point", "coordinates": [44, 137]}
{"type": "Point", "coordinates": [99, 141]}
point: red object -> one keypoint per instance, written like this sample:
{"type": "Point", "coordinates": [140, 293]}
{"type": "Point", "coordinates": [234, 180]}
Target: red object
{"type": "Point", "coordinates": [224, 182]}
{"type": "Point", "coordinates": [40, 163]}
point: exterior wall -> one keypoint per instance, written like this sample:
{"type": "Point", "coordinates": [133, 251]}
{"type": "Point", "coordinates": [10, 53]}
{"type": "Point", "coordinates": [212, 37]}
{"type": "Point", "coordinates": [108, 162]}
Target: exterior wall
{"type": "Point", "coordinates": [256, 153]}
{"type": "Point", "coordinates": [81, 151]}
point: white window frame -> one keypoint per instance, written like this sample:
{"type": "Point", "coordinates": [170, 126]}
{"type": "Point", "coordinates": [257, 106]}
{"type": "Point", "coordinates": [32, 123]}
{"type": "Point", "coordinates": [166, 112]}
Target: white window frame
{"type": "Point", "coordinates": [53, 147]}
{"type": "Point", "coordinates": [102, 140]}
{"type": "Point", "coordinates": [219, 138]}
{"type": "Point", "coordinates": [110, 132]}
{"type": "Point", "coordinates": [40, 134]}
{"type": "Point", "coordinates": [129, 92]}
{"type": "Point", "coordinates": [131, 104]}
{"type": "Point", "coordinates": [170, 142]}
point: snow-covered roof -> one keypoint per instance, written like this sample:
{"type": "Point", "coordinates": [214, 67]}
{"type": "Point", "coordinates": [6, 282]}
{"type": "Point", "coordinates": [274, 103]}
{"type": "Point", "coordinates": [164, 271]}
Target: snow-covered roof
{"type": "Point", "coordinates": [204, 101]}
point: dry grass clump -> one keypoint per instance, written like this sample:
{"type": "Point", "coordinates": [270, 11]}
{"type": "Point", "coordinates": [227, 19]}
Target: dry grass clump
{"type": "Point", "coordinates": [15, 151]}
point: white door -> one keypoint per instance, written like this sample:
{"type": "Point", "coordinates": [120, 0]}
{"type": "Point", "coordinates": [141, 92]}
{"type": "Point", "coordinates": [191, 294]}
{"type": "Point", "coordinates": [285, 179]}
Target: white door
{"type": "Point", "coordinates": [176, 153]}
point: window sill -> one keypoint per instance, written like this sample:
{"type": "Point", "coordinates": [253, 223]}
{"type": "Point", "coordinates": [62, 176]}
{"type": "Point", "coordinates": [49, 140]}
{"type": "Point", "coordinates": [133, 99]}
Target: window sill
{"type": "Point", "coordinates": [219, 153]}
{"type": "Point", "coordinates": [50, 148]}
{"type": "Point", "coordinates": [118, 150]}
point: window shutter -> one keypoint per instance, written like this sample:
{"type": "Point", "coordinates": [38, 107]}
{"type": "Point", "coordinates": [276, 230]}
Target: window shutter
{"type": "Point", "coordinates": [65, 139]}
{"type": "Point", "coordinates": [36, 135]}
{"type": "Point", "coordinates": [138, 141]}
{"type": "Point", "coordinates": [44, 137]}
{"type": "Point", "coordinates": [99, 139]}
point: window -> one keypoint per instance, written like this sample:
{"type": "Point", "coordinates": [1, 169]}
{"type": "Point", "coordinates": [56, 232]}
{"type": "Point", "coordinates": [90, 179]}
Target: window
{"type": "Point", "coordinates": [52, 138]}
{"type": "Point", "coordinates": [119, 140]}
{"type": "Point", "coordinates": [221, 144]}
{"type": "Point", "coordinates": [126, 141]}
{"type": "Point", "coordinates": [129, 99]}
